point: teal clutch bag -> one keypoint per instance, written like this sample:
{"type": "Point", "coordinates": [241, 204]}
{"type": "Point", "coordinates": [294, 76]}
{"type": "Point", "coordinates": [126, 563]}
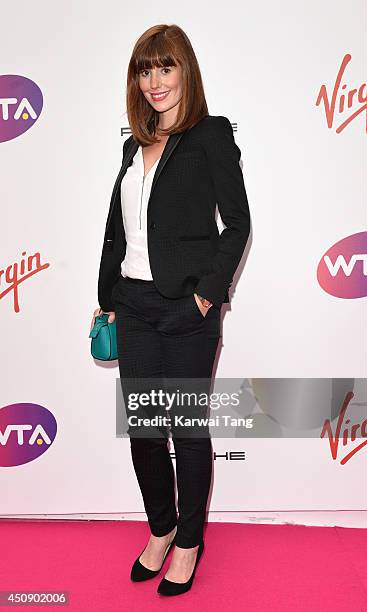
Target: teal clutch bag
{"type": "Point", "coordinates": [104, 342]}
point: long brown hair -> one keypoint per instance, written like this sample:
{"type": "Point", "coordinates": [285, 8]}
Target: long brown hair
{"type": "Point", "coordinates": [164, 45]}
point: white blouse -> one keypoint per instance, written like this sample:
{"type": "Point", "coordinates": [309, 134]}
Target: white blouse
{"type": "Point", "coordinates": [135, 193]}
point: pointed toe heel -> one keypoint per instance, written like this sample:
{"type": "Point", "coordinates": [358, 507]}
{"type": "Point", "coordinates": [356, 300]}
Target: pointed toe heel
{"type": "Point", "coordinates": [139, 572]}
{"type": "Point", "coordinates": [167, 587]}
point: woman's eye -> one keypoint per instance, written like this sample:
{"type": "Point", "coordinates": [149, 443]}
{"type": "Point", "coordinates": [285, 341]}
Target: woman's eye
{"type": "Point", "coordinates": [145, 72]}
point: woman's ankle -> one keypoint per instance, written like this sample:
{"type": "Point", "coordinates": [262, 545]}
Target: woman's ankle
{"type": "Point", "coordinates": [167, 536]}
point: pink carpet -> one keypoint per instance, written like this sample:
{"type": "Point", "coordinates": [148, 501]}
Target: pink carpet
{"type": "Point", "coordinates": [243, 567]}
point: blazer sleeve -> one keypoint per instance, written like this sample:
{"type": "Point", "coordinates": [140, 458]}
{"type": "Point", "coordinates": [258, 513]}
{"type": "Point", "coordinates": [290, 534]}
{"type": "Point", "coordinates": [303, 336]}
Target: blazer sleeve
{"type": "Point", "coordinates": [109, 267]}
{"type": "Point", "coordinates": [223, 156]}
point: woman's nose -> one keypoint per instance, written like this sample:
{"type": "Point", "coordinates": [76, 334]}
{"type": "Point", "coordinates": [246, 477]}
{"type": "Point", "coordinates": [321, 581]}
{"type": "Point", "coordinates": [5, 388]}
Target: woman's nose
{"type": "Point", "coordinates": [154, 79]}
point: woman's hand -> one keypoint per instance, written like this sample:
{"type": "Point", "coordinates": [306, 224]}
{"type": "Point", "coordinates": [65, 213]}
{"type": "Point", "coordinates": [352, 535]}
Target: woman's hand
{"type": "Point", "coordinates": [203, 309]}
{"type": "Point", "coordinates": [99, 311]}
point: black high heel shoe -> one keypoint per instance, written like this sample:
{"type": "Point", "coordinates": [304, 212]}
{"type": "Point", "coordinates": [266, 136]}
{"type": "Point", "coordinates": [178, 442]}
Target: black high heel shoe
{"type": "Point", "coordinates": [139, 572]}
{"type": "Point", "coordinates": [167, 587]}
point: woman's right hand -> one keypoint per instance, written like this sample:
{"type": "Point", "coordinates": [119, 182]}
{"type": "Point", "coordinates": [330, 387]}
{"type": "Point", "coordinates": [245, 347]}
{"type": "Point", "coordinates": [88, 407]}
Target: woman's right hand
{"type": "Point", "coordinates": [99, 311]}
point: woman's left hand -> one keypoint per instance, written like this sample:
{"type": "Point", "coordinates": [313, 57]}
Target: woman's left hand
{"type": "Point", "coordinates": [202, 308]}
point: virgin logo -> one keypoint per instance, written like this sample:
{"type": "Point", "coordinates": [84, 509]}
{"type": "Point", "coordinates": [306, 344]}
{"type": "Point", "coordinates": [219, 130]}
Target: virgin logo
{"type": "Point", "coordinates": [342, 270]}
{"type": "Point", "coordinates": [21, 103]}
{"type": "Point", "coordinates": [343, 98]}
{"type": "Point", "coordinates": [15, 274]}
{"type": "Point", "coordinates": [348, 435]}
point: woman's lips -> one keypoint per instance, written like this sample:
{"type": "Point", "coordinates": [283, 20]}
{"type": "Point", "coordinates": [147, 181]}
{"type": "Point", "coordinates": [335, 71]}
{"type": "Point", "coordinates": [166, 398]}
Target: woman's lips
{"type": "Point", "coordinates": [159, 97]}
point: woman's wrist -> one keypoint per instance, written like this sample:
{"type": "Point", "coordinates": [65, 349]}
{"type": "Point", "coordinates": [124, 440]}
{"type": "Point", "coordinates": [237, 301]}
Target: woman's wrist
{"type": "Point", "coordinates": [206, 303]}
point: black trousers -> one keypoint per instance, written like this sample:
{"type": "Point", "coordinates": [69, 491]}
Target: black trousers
{"type": "Point", "coordinates": [160, 337]}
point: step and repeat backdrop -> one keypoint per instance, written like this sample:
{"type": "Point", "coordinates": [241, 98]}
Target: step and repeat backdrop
{"type": "Point", "coordinates": [291, 78]}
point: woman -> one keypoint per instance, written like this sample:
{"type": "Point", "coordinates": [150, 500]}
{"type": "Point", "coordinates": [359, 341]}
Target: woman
{"type": "Point", "coordinates": [164, 274]}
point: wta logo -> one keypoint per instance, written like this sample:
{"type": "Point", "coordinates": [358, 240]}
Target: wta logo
{"type": "Point", "coordinates": [342, 271]}
{"type": "Point", "coordinates": [26, 432]}
{"type": "Point", "coordinates": [21, 103]}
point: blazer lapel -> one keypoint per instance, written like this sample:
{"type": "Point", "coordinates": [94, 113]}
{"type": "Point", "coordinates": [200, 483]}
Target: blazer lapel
{"type": "Point", "coordinates": [125, 164]}
{"type": "Point", "coordinates": [170, 145]}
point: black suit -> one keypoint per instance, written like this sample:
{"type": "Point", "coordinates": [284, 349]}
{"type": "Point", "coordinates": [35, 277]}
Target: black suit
{"type": "Point", "coordinates": [170, 340]}
{"type": "Point", "coordinates": [198, 169]}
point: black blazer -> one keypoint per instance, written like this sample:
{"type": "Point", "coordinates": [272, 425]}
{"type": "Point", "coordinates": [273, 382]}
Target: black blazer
{"type": "Point", "coordinates": [198, 169]}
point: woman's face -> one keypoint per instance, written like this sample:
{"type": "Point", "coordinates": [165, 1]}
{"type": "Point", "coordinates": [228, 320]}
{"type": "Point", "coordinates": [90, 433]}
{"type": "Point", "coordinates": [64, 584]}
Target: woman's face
{"type": "Point", "coordinates": [162, 86]}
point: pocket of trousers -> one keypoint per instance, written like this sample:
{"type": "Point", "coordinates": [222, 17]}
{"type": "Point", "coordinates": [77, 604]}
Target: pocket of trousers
{"type": "Point", "coordinates": [197, 307]}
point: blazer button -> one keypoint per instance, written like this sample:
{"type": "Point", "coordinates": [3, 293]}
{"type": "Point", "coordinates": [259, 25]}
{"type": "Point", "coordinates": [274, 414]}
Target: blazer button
{"type": "Point", "coordinates": [152, 225]}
